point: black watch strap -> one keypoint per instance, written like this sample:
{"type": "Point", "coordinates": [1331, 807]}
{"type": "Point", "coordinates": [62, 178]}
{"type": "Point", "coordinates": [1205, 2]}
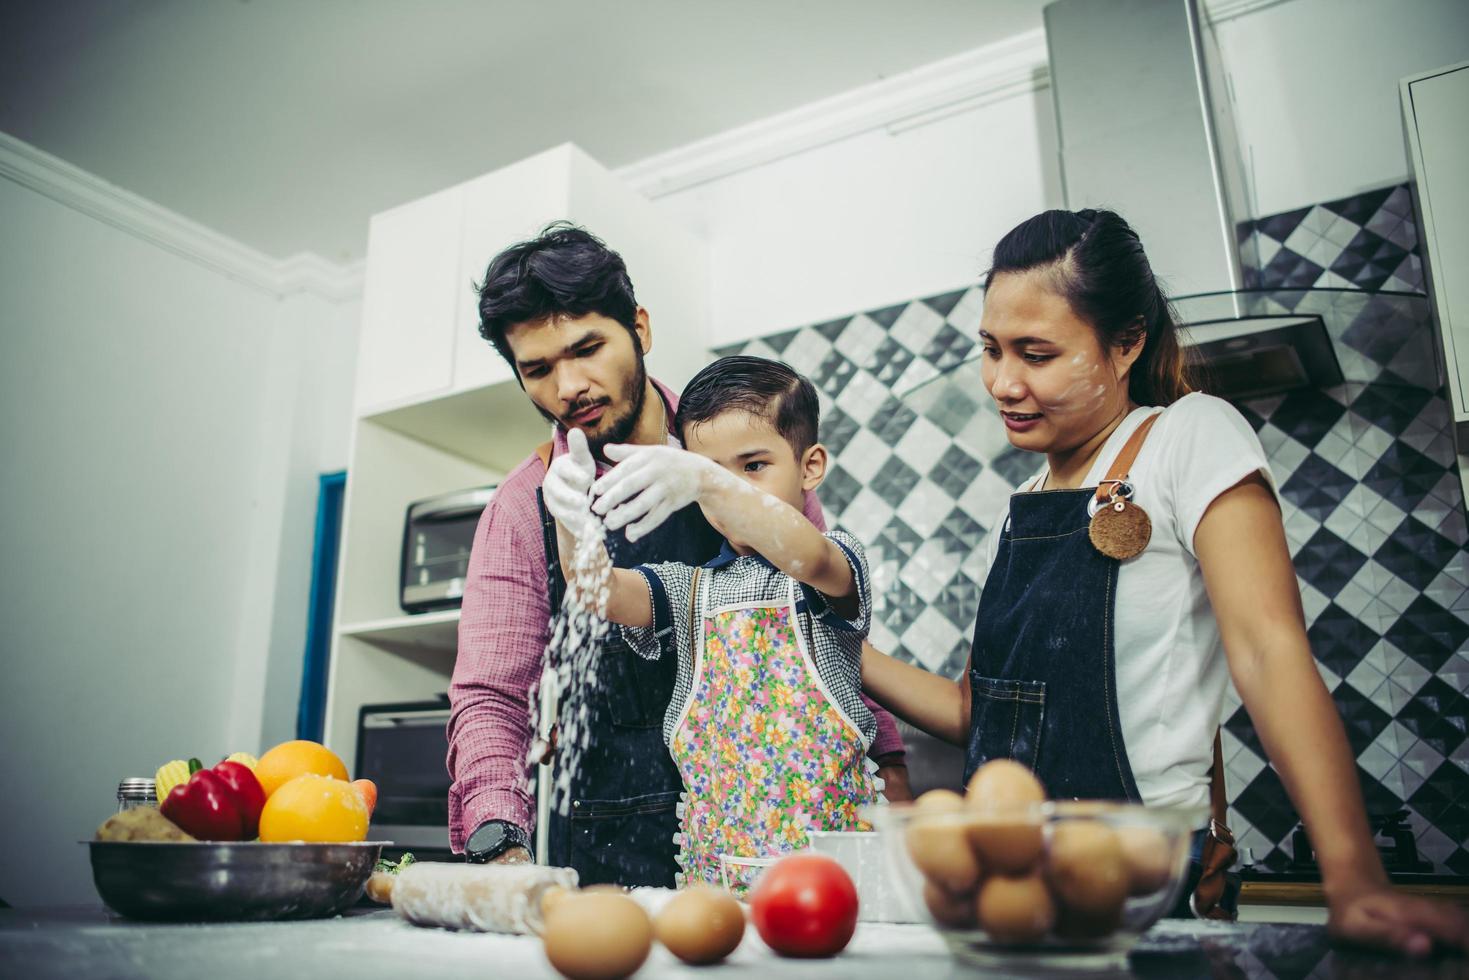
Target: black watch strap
{"type": "Point", "coordinates": [493, 838]}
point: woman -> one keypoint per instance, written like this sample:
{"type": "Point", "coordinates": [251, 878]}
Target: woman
{"type": "Point", "coordinates": [1103, 672]}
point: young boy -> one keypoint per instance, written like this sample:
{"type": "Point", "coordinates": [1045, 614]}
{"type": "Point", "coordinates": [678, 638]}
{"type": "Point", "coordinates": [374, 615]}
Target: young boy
{"type": "Point", "coordinates": [766, 723]}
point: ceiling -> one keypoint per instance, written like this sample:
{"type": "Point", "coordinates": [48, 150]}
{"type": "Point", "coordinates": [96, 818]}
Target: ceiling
{"type": "Point", "coordinates": [286, 123]}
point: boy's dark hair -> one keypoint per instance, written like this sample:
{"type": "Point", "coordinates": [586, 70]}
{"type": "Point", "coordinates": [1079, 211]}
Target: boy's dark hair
{"type": "Point", "coordinates": [564, 271]}
{"type": "Point", "coordinates": [770, 389]}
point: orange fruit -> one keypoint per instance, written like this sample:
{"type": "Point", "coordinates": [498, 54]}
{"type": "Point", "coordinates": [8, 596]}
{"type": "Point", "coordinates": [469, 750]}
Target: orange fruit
{"type": "Point", "coordinates": [290, 759]}
{"type": "Point", "coordinates": [314, 808]}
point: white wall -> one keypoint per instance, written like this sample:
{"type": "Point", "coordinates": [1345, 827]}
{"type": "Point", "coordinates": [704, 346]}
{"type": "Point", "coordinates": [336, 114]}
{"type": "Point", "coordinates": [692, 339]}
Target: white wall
{"type": "Point", "coordinates": [1316, 82]}
{"type": "Point", "coordinates": [872, 219]}
{"type": "Point", "coordinates": [157, 419]}
{"type": "Point", "coordinates": [885, 216]}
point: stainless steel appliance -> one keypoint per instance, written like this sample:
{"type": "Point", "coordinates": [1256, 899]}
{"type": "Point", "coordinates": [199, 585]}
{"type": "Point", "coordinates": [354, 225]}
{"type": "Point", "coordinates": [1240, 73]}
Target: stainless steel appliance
{"type": "Point", "coordinates": [437, 535]}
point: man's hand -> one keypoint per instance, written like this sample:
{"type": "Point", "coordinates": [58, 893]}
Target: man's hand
{"type": "Point", "coordinates": [513, 855]}
{"type": "Point", "coordinates": [568, 484]}
{"type": "Point", "coordinates": [649, 484]}
{"type": "Point", "coordinates": [1388, 920]}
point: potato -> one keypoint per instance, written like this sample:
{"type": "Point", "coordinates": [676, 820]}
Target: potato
{"type": "Point", "coordinates": [140, 823]}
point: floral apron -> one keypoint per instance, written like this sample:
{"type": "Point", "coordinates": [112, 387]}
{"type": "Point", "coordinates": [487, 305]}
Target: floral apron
{"type": "Point", "coordinates": [766, 754]}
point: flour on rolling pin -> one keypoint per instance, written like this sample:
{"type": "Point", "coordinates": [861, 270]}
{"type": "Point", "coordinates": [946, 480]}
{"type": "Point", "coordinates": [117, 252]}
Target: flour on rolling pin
{"type": "Point", "coordinates": [481, 897]}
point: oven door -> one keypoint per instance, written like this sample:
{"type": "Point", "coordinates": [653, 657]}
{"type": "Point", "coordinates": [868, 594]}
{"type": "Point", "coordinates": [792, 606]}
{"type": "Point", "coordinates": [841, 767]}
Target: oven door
{"type": "Point", "coordinates": [402, 748]}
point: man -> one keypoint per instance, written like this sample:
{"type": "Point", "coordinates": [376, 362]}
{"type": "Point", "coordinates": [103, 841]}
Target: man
{"type": "Point", "coordinates": [561, 310]}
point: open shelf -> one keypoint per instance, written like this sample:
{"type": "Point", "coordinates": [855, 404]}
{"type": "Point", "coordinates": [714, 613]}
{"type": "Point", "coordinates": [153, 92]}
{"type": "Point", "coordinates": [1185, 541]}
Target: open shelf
{"type": "Point", "coordinates": [495, 425]}
{"type": "Point", "coordinates": [432, 632]}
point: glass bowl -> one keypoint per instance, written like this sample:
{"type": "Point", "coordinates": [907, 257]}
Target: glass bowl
{"type": "Point", "coordinates": [1042, 889]}
{"type": "Point", "coordinates": [742, 874]}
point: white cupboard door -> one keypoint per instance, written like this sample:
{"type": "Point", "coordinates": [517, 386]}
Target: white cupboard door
{"type": "Point", "coordinates": [409, 301]}
{"type": "Point", "coordinates": [501, 208]}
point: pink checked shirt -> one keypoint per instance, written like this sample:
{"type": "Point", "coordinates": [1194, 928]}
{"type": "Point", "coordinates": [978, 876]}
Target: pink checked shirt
{"type": "Point", "coordinates": [503, 630]}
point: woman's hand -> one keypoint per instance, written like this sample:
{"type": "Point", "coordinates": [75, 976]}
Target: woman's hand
{"type": "Point", "coordinates": [1384, 919]}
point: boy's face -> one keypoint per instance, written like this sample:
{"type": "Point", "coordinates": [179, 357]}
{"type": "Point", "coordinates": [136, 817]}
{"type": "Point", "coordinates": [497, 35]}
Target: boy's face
{"type": "Point", "coordinates": [749, 447]}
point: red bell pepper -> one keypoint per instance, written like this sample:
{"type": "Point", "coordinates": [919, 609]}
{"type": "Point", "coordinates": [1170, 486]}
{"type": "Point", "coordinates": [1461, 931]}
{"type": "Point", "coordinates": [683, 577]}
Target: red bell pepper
{"type": "Point", "coordinates": [222, 803]}
{"type": "Point", "coordinates": [248, 793]}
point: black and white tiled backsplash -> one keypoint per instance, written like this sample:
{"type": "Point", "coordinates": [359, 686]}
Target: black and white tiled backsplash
{"type": "Point", "coordinates": [1373, 509]}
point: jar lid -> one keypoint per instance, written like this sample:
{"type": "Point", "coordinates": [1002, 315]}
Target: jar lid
{"type": "Point", "coordinates": [135, 788]}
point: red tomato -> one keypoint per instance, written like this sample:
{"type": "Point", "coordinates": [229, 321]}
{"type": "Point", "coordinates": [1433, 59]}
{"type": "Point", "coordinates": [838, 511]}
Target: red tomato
{"type": "Point", "coordinates": [805, 905]}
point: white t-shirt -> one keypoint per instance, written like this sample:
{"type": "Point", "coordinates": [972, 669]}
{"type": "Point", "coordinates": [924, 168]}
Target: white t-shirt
{"type": "Point", "coordinates": [1171, 672]}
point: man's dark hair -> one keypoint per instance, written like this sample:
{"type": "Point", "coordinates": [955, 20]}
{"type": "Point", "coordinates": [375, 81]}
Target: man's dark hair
{"type": "Point", "coordinates": [563, 271]}
{"type": "Point", "coordinates": [770, 389]}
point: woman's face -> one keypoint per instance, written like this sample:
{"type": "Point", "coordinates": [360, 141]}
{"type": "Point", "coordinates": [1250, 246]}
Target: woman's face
{"type": "Point", "coordinates": [1045, 367]}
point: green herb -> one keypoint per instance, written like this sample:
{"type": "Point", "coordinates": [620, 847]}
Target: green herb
{"type": "Point", "coordinates": [393, 867]}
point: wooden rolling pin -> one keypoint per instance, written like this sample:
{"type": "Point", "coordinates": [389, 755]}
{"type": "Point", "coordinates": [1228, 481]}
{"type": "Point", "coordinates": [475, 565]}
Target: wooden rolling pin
{"type": "Point", "coordinates": [479, 897]}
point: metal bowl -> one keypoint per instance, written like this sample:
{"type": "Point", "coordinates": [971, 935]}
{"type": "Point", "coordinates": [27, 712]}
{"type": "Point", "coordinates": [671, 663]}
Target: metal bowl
{"type": "Point", "coordinates": [244, 881]}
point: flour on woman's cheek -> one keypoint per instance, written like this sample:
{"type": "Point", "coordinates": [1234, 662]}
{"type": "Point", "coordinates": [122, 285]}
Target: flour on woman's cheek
{"type": "Point", "coordinates": [1086, 390]}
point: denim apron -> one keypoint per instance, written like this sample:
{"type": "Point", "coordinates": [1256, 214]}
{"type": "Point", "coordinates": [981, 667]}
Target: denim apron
{"type": "Point", "coordinates": [1042, 679]}
{"type": "Point", "coordinates": [625, 792]}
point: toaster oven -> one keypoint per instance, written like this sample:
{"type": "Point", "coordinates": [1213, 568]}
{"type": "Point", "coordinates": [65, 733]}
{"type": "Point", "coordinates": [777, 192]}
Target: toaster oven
{"type": "Point", "coordinates": [437, 536]}
{"type": "Point", "coordinates": [403, 748]}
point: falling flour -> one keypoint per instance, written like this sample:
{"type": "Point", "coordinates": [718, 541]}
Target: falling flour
{"type": "Point", "coordinates": [577, 631]}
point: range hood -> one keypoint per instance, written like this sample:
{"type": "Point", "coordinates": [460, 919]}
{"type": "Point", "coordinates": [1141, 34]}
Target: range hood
{"type": "Point", "coordinates": [1145, 129]}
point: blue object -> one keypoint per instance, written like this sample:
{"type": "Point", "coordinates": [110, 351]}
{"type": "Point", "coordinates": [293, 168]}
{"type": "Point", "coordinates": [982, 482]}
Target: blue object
{"type": "Point", "coordinates": [311, 713]}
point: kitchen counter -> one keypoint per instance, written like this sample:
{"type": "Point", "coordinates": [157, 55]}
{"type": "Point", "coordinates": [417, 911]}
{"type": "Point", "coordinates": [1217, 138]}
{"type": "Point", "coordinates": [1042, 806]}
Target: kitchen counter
{"type": "Point", "coordinates": [373, 944]}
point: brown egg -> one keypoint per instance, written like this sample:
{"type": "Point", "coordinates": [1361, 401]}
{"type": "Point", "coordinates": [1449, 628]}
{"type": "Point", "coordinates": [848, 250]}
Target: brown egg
{"type": "Point", "coordinates": [950, 911]}
{"type": "Point", "coordinates": [1005, 844]}
{"type": "Point", "coordinates": [1016, 910]}
{"type": "Point", "coordinates": [939, 801]}
{"type": "Point", "coordinates": [1004, 784]}
{"type": "Point", "coordinates": [700, 925]}
{"type": "Point", "coordinates": [1149, 862]}
{"type": "Point", "coordinates": [1006, 837]}
{"type": "Point", "coordinates": [939, 846]}
{"type": "Point", "coordinates": [1087, 870]}
{"type": "Point", "coordinates": [597, 935]}
{"type": "Point", "coordinates": [552, 896]}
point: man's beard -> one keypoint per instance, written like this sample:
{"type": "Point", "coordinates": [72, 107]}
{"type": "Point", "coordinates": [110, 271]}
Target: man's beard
{"type": "Point", "coordinates": [614, 430]}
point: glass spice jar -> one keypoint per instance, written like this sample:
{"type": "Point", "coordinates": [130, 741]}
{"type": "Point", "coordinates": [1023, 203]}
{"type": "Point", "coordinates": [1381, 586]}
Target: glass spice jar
{"type": "Point", "coordinates": [133, 792]}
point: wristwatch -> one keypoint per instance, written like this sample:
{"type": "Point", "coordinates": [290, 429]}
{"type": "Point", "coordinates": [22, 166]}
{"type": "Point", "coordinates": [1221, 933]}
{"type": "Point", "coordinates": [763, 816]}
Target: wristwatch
{"type": "Point", "coordinates": [493, 838]}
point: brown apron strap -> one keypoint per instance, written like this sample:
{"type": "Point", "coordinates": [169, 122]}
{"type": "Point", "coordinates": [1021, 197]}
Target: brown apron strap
{"type": "Point", "coordinates": [1218, 803]}
{"type": "Point", "coordinates": [1122, 465]}
{"type": "Point", "coordinates": [544, 452]}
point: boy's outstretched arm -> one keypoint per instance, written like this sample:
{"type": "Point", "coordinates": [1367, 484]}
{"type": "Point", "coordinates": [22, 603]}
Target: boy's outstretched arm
{"type": "Point", "coordinates": [580, 547]}
{"type": "Point", "coordinates": [650, 483]}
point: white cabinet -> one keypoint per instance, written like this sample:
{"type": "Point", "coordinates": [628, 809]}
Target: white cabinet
{"type": "Point", "coordinates": [1436, 125]}
{"type": "Point", "coordinates": [500, 209]}
{"type": "Point", "coordinates": [408, 301]}
{"type": "Point", "coordinates": [437, 409]}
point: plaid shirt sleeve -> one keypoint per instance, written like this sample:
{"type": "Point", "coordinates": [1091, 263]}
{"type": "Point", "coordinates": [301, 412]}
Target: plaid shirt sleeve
{"type": "Point", "coordinates": [503, 630]}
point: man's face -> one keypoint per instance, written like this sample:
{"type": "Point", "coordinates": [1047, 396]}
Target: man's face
{"type": "Point", "coordinates": [585, 372]}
